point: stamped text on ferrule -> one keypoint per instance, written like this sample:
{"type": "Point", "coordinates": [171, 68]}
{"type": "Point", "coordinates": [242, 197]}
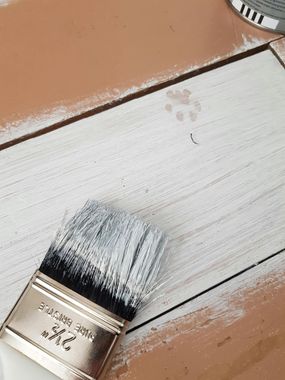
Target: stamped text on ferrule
{"type": "Point", "coordinates": [65, 330]}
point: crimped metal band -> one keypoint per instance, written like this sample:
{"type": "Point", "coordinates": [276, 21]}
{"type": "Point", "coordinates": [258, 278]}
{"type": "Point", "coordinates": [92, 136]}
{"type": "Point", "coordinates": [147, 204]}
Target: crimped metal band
{"type": "Point", "coordinates": [61, 330]}
{"type": "Point", "coordinates": [258, 19]}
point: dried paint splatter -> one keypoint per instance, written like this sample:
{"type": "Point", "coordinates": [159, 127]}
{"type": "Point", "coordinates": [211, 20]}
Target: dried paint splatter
{"type": "Point", "coordinates": [183, 106]}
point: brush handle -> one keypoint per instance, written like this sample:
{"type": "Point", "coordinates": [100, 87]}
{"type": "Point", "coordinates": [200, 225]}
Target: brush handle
{"type": "Point", "coordinates": [14, 365]}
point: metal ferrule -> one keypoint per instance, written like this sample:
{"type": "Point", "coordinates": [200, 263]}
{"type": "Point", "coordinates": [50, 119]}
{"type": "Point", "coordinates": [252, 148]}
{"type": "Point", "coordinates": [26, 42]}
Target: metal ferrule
{"type": "Point", "coordinates": [62, 331]}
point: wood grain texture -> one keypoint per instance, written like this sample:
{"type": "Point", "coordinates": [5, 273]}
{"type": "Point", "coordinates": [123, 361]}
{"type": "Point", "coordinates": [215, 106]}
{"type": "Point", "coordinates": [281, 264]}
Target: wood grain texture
{"type": "Point", "coordinates": [221, 200]}
{"type": "Point", "coordinates": [63, 58]}
{"type": "Point", "coordinates": [235, 331]}
{"type": "Point", "coordinates": [278, 48]}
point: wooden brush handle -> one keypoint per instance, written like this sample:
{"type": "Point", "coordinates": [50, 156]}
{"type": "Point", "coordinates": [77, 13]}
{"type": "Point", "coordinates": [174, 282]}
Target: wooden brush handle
{"type": "Point", "coordinates": [14, 365]}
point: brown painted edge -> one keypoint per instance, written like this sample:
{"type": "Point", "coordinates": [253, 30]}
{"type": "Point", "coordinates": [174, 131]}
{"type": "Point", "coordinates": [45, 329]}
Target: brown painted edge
{"type": "Point", "coordinates": [278, 49]}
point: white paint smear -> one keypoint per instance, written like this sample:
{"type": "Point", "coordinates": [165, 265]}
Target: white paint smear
{"type": "Point", "coordinates": [4, 3]}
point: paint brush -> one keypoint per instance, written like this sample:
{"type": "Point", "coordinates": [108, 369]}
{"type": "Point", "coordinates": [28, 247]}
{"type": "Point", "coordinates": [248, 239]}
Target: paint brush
{"type": "Point", "coordinates": [100, 268]}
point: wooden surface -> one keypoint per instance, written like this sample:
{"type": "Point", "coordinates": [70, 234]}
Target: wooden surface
{"type": "Point", "coordinates": [278, 47]}
{"type": "Point", "coordinates": [204, 159]}
{"type": "Point", "coordinates": [221, 199]}
{"type": "Point", "coordinates": [235, 331]}
{"type": "Point", "coordinates": [63, 58]}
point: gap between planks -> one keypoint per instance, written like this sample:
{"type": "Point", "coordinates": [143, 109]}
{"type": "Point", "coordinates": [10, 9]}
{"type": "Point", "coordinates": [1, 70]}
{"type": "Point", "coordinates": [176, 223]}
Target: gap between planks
{"type": "Point", "coordinates": [136, 95]}
{"type": "Point", "coordinates": [219, 284]}
{"type": "Point", "coordinates": [236, 329]}
{"type": "Point", "coordinates": [223, 215]}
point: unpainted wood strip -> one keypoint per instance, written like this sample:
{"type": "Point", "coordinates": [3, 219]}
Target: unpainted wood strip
{"type": "Point", "coordinates": [234, 331]}
{"type": "Point", "coordinates": [220, 199]}
{"type": "Point", "coordinates": [62, 59]}
{"type": "Point", "coordinates": [278, 48]}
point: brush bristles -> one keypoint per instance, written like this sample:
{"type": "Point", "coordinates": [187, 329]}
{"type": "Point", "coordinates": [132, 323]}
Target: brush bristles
{"type": "Point", "coordinates": [108, 256]}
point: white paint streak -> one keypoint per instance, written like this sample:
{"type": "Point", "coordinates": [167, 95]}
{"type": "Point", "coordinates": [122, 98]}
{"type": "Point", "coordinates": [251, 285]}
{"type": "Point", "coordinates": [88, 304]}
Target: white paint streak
{"type": "Point", "coordinates": [49, 117]}
{"type": "Point", "coordinates": [4, 3]}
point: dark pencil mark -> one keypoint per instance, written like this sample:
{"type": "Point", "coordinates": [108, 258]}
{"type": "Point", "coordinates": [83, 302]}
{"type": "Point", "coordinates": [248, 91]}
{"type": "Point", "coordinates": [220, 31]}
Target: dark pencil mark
{"type": "Point", "coordinates": [193, 141]}
{"type": "Point", "coordinates": [226, 340]}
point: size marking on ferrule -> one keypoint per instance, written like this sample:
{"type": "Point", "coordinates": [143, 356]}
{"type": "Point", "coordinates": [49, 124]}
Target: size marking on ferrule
{"type": "Point", "coordinates": [66, 333]}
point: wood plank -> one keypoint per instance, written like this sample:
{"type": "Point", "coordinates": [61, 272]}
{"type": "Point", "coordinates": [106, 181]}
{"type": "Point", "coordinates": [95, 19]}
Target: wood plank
{"type": "Point", "coordinates": [222, 201]}
{"type": "Point", "coordinates": [278, 47]}
{"type": "Point", "coordinates": [62, 58]}
{"type": "Point", "coordinates": [235, 331]}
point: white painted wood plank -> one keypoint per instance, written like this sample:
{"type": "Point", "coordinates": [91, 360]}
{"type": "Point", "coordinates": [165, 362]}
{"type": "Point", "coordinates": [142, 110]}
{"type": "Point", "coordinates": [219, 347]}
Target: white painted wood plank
{"type": "Point", "coordinates": [222, 201]}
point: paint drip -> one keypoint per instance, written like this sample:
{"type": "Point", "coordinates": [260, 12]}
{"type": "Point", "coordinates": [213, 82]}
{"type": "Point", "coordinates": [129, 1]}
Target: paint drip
{"type": "Point", "coordinates": [267, 14]}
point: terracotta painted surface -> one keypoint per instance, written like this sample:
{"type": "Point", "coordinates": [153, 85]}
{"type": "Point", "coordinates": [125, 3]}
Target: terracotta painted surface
{"type": "Point", "coordinates": [244, 340]}
{"type": "Point", "coordinates": [60, 58]}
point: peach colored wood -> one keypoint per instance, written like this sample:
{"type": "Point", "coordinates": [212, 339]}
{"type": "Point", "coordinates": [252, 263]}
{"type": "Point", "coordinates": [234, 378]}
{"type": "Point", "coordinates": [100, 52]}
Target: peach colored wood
{"type": "Point", "coordinates": [278, 48]}
{"type": "Point", "coordinates": [236, 331]}
{"type": "Point", "coordinates": [61, 58]}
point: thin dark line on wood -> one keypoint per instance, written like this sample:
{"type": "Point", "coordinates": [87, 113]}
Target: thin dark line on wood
{"type": "Point", "coordinates": [208, 289]}
{"type": "Point", "coordinates": [136, 95]}
{"type": "Point", "coordinates": [193, 140]}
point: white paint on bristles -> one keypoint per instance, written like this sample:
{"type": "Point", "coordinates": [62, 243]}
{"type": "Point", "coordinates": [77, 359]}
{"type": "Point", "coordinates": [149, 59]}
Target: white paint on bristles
{"type": "Point", "coordinates": [117, 254]}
